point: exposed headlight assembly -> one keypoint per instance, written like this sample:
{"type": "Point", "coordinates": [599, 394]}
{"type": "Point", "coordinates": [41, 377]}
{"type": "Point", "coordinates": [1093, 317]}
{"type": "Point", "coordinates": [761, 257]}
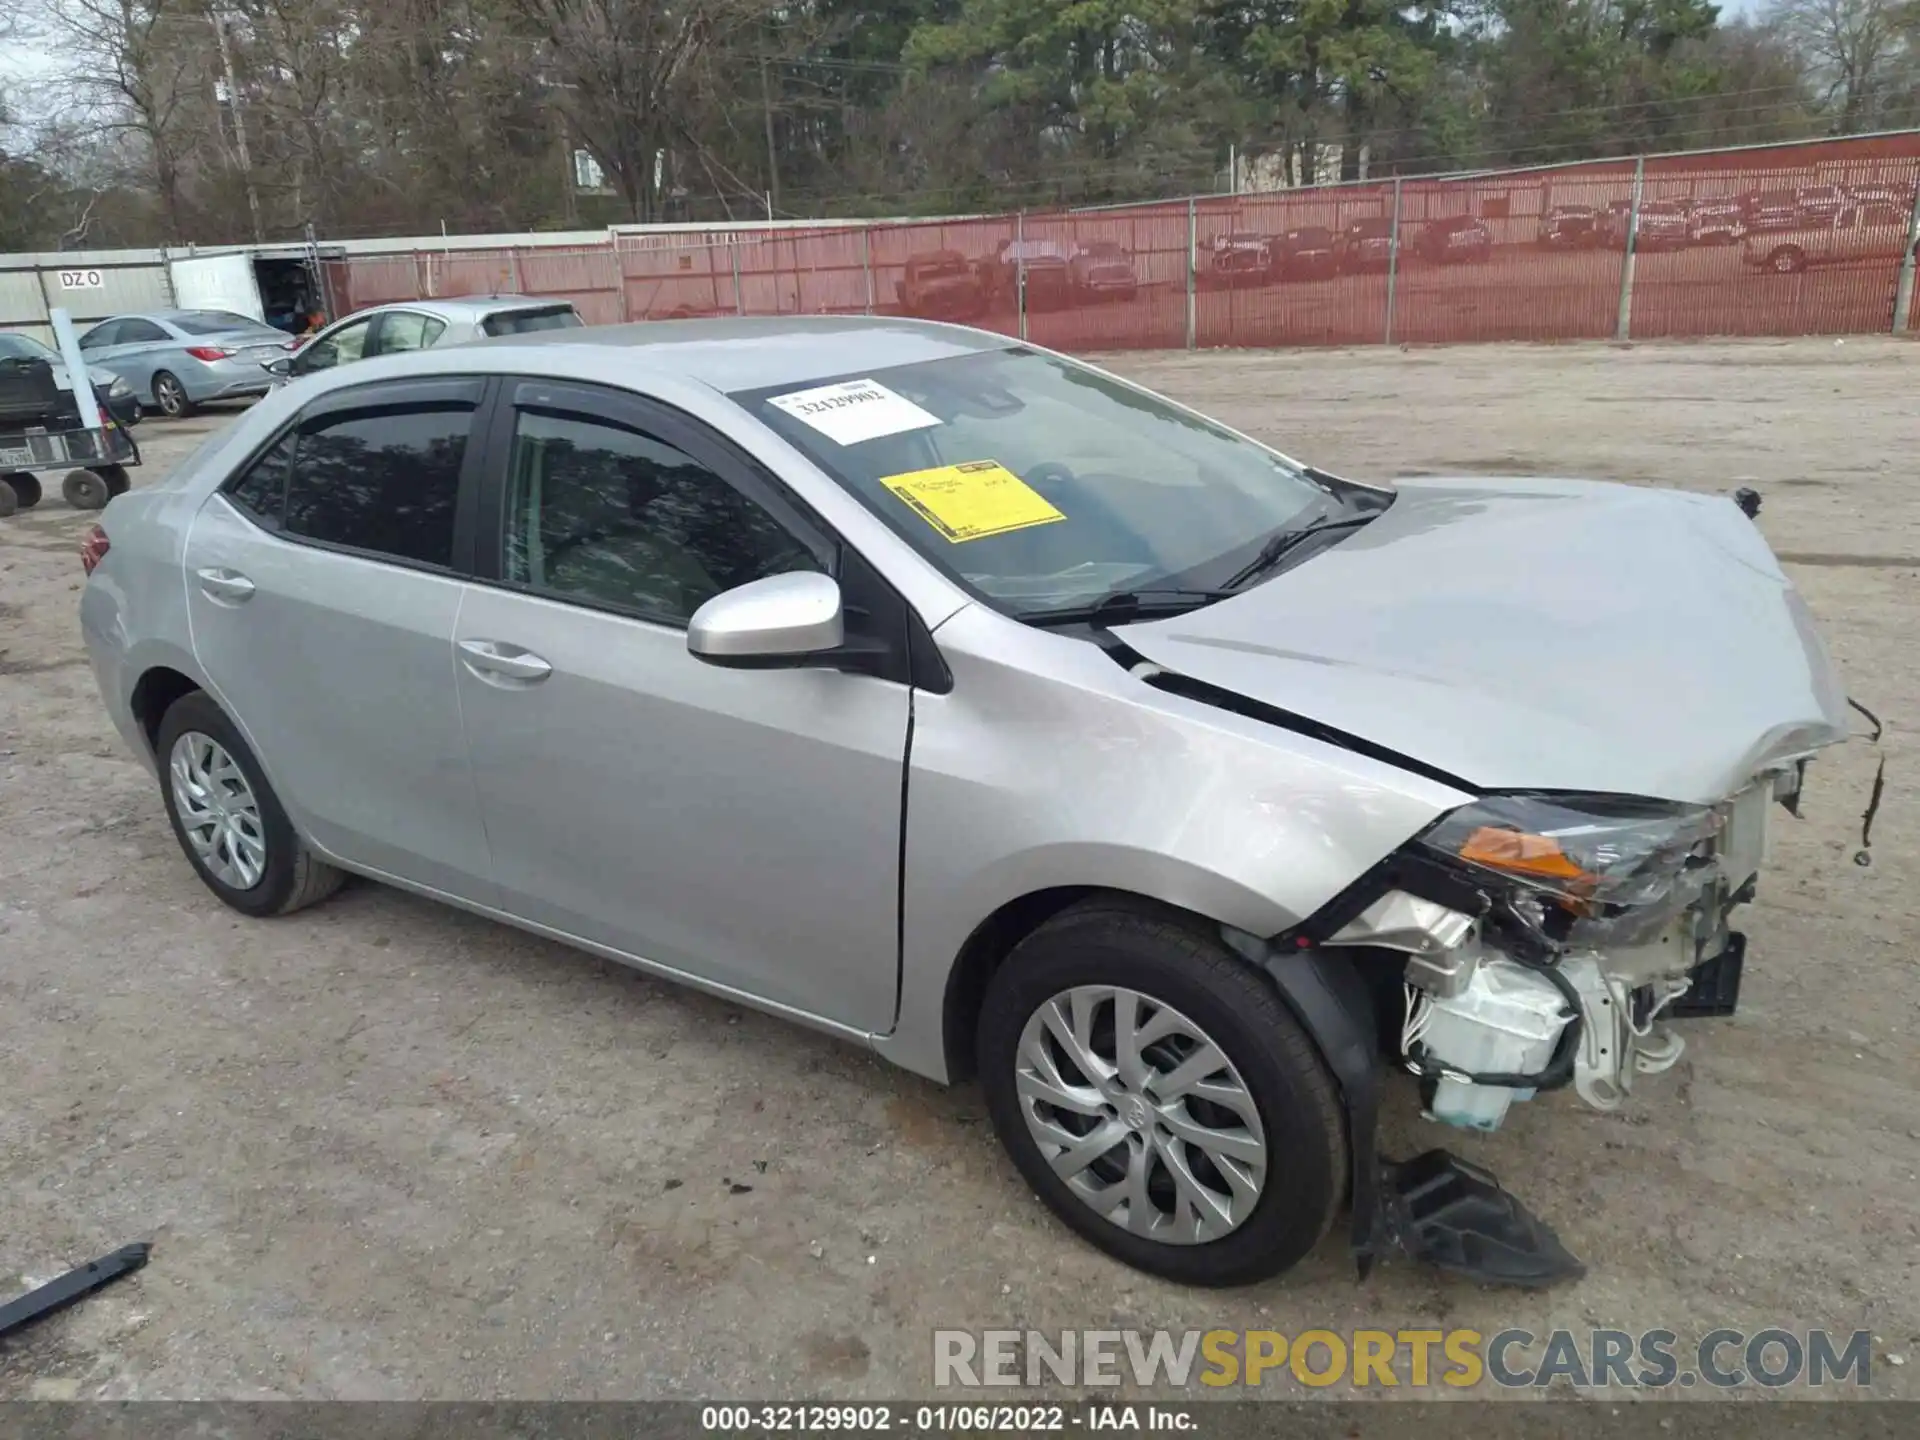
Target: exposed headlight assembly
{"type": "Point", "coordinates": [119, 388]}
{"type": "Point", "coordinates": [1573, 868]}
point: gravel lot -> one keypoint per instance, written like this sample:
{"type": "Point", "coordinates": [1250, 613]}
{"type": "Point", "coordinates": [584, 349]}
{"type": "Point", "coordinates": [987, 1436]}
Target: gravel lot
{"type": "Point", "coordinates": [387, 1150]}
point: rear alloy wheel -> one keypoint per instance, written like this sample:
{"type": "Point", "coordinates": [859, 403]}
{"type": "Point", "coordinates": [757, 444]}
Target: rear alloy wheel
{"type": "Point", "coordinates": [171, 396]}
{"type": "Point", "coordinates": [1787, 261]}
{"type": "Point", "coordinates": [86, 490]}
{"type": "Point", "coordinates": [1156, 1092]}
{"type": "Point", "coordinates": [227, 818]}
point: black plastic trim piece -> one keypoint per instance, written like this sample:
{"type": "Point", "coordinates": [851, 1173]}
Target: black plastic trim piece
{"type": "Point", "coordinates": [1331, 1000]}
{"type": "Point", "coordinates": [59, 1293]}
{"type": "Point", "coordinates": [1713, 989]}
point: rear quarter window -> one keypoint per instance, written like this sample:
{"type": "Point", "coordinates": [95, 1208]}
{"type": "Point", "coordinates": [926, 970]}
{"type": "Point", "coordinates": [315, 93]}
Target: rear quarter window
{"type": "Point", "coordinates": [522, 322]}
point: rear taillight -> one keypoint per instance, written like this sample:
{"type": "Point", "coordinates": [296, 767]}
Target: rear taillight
{"type": "Point", "coordinates": [209, 352]}
{"type": "Point", "coordinates": [93, 549]}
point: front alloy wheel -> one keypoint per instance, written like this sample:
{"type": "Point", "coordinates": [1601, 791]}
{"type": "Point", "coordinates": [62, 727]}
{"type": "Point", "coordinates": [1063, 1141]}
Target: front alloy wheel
{"type": "Point", "coordinates": [1142, 1115]}
{"type": "Point", "coordinates": [1159, 1096]}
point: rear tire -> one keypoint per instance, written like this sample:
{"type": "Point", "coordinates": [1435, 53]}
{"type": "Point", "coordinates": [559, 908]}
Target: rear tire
{"type": "Point", "coordinates": [171, 396]}
{"type": "Point", "coordinates": [1787, 260]}
{"type": "Point", "coordinates": [1246, 1201]}
{"type": "Point", "coordinates": [9, 502]}
{"type": "Point", "coordinates": [118, 481]}
{"type": "Point", "coordinates": [84, 490]}
{"type": "Point", "coordinates": [230, 825]}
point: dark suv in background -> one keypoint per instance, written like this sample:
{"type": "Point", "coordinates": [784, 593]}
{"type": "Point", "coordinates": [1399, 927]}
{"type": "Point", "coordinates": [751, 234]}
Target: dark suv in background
{"type": "Point", "coordinates": [1454, 239]}
{"type": "Point", "coordinates": [1366, 244]}
{"type": "Point", "coordinates": [1306, 254]}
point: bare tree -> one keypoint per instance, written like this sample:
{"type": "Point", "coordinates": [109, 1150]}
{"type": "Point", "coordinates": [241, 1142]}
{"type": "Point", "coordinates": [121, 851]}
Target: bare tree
{"type": "Point", "coordinates": [1856, 52]}
{"type": "Point", "coordinates": [139, 70]}
{"type": "Point", "coordinates": [627, 73]}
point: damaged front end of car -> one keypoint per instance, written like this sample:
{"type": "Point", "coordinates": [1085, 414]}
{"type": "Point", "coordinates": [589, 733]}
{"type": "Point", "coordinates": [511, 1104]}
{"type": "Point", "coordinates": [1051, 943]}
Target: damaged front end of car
{"type": "Point", "coordinates": [1524, 943]}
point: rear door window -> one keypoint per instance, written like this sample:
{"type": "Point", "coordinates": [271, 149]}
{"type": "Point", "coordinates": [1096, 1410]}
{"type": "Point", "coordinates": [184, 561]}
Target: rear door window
{"type": "Point", "coordinates": [140, 332]}
{"type": "Point", "coordinates": [261, 489]}
{"type": "Point", "coordinates": [403, 330]}
{"type": "Point", "coordinates": [384, 481]}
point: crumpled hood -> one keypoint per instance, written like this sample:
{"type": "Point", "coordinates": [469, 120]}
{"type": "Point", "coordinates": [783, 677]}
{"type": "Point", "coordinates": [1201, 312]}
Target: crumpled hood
{"type": "Point", "coordinates": [1535, 634]}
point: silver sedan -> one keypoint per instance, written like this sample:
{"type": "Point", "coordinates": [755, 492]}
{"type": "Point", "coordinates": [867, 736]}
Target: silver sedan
{"type": "Point", "coordinates": [424, 324]}
{"type": "Point", "coordinates": [977, 706]}
{"type": "Point", "coordinates": [176, 360]}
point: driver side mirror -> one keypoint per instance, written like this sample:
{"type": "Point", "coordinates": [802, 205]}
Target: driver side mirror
{"type": "Point", "coordinates": [779, 622]}
{"type": "Point", "coordinates": [282, 367]}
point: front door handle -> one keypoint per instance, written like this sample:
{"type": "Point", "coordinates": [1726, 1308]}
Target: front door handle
{"type": "Point", "coordinates": [227, 586]}
{"type": "Point", "coordinates": [490, 659]}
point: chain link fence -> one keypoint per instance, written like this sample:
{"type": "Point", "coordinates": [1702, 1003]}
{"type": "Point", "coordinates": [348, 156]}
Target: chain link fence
{"type": "Point", "coordinates": [1810, 239]}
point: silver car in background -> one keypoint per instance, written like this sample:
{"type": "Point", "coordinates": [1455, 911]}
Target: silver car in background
{"type": "Point", "coordinates": [972, 704]}
{"type": "Point", "coordinates": [422, 325]}
{"type": "Point", "coordinates": [176, 360]}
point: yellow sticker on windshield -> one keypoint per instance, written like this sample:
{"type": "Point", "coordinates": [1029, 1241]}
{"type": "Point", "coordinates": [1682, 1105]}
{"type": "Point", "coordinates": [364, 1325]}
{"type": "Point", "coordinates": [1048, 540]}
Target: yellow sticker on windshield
{"type": "Point", "coordinates": [973, 500]}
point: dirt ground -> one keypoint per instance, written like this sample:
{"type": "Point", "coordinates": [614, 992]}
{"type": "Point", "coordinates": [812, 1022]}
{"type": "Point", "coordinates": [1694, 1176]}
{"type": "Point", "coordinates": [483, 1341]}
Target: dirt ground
{"type": "Point", "coordinates": [383, 1149]}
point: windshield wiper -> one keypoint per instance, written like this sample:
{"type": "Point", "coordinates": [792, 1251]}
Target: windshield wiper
{"type": "Point", "coordinates": [1152, 603]}
{"type": "Point", "coordinates": [1278, 546]}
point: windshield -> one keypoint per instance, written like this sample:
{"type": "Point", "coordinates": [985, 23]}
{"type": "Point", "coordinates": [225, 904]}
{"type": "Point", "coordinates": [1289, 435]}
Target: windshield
{"type": "Point", "coordinates": [213, 322]}
{"type": "Point", "coordinates": [23, 347]}
{"type": "Point", "coordinates": [1040, 484]}
{"type": "Point", "coordinates": [521, 322]}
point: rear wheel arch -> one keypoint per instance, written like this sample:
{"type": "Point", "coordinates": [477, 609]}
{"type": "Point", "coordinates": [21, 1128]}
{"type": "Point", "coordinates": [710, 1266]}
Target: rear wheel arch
{"type": "Point", "coordinates": [154, 693]}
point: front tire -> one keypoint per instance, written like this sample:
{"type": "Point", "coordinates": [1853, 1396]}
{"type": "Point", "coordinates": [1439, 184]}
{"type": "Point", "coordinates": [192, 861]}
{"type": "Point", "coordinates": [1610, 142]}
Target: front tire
{"type": "Point", "coordinates": [227, 819]}
{"type": "Point", "coordinates": [1160, 1097]}
{"type": "Point", "coordinates": [171, 396]}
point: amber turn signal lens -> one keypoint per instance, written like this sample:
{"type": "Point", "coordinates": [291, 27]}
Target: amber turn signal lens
{"type": "Point", "coordinates": [1521, 854]}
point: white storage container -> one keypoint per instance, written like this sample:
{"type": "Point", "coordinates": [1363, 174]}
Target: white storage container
{"type": "Point", "coordinates": [1507, 1021]}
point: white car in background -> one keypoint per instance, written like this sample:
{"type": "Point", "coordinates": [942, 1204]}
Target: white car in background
{"type": "Point", "coordinates": [424, 325]}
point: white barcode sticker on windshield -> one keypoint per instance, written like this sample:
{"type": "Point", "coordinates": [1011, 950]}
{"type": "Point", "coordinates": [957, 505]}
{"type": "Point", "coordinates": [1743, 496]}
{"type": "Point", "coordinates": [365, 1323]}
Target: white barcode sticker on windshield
{"type": "Point", "coordinates": [854, 410]}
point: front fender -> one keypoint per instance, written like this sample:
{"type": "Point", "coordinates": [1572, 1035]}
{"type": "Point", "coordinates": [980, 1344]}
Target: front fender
{"type": "Point", "coordinates": [1048, 766]}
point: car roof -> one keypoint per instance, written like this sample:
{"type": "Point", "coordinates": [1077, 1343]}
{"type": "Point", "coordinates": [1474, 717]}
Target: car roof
{"type": "Point", "coordinates": [467, 307]}
{"type": "Point", "coordinates": [175, 314]}
{"type": "Point", "coordinates": [726, 354]}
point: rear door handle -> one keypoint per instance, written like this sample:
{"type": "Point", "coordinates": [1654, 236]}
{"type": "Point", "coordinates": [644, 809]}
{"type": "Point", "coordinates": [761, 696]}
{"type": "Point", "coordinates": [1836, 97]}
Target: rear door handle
{"type": "Point", "coordinates": [228, 586]}
{"type": "Point", "coordinates": [491, 660]}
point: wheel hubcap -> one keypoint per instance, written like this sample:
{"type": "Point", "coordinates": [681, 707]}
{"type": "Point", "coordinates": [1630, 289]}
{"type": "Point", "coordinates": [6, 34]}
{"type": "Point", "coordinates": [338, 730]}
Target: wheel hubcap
{"type": "Point", "coordinates": [1142, 1114]}
{"type": "Point", "coordinates": [169, 395]}
{"type": "Point", "coordinates": [218, 811]}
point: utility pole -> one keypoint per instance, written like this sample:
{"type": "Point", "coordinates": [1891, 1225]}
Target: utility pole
{"type": "Point", "coordinates": [773, 162]}
{"type": "Point", "coordinates": [219, 23]}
